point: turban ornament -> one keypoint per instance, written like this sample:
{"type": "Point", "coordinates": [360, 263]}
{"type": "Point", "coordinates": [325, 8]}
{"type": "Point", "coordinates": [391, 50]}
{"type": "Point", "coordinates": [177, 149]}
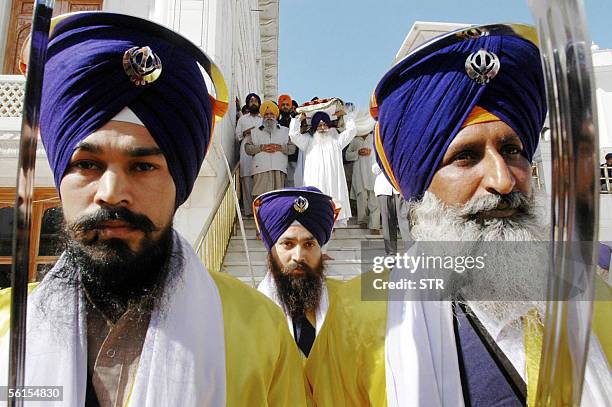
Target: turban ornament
{"type": "Point", "coordinates": [276, 211]}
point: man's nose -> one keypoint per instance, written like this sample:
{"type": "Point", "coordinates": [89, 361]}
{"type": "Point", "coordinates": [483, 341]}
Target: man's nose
{"type": "Point", "coordinates": [498, 178]}
{"type": "Point", "coordinates": [298, 254]}
{"type": "Point", "coordinates": [113, 189]}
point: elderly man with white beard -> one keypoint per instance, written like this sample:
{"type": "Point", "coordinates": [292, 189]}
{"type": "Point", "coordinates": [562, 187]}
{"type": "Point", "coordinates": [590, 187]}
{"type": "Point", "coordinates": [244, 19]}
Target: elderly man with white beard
{"type": "Point", "coordinates": [270, 147]}
{"type": "Point", "coordinates": [323, 158]}
{"type": "Point", "coordinates": [458, 124]}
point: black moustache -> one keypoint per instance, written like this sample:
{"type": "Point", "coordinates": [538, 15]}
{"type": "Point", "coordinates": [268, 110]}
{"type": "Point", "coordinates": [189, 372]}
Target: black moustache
{"type": "Point", "coordinates": [133, 220]}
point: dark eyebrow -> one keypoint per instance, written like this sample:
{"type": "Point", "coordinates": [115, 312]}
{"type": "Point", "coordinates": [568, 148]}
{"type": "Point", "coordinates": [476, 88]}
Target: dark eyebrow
{"type": "Point", "coordinates": [131, 152]}
{"type": "Point", "coordinates": [509, 138]}
{"type": "Point", "coordinates": [462, 147]}
{"type": "Point", "coordinates": [143, 151]}
{"type": "Point", "coordinates": [88, 147]}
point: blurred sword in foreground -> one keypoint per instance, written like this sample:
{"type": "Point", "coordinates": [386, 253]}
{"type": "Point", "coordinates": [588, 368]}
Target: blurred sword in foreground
{"type": "Point", "coordinates": [567, 64]}
{"type": "Point", "coordinates": [41, 21]}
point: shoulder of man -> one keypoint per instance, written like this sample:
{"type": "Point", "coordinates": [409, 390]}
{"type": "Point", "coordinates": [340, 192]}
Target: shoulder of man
{"type": "Point", "coordinates": [245, 303]}
{"type": "Point", "coordinates": [5, 307]}
{"type": "Point", "coordinates": [260, 353]}
{"type": "Point", "coordinates": [349, 351]}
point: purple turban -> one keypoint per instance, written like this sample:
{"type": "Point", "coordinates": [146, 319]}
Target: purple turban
{"type": "Point", "coordinates": [424, 99]}
{"type": "Point", "coordinates": [87, 83]}
{"type": "Point", "coordinates": [275, 211]}
{"type": "Point", "coordinates": [317, 118]}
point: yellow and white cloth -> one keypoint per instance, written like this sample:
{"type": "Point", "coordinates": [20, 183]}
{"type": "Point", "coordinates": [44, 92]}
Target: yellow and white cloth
{"type": "Point", "coordinates": [216, 342]}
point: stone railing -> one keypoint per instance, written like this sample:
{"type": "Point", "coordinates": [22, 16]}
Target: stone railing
{"type": "Point", "coordinates": [11, 95]}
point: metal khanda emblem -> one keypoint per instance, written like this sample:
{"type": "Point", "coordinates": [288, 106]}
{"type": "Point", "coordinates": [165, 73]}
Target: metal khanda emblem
{"type": "Point", "coordinates": [482, 66]}
{"type": "Point", "coordinates": [141, 65]}
{"type": "Point", "coordinates": [300, 204]}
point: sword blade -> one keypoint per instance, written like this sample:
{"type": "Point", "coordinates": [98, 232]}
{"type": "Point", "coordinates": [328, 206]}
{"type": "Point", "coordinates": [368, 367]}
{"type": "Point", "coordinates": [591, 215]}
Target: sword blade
{"type": "Point", "coordinates": [567, 64]}
{"type": "Point", "coordinates": [41, 20]}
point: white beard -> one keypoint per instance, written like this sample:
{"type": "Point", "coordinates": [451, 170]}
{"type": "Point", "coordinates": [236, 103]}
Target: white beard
{"type": "Point", "coordinates": [432, 220]}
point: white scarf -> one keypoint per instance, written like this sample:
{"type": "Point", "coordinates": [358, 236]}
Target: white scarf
{"type": "Point", "coordinates": [268, 288]}
{"type": "Point", "coordinates": [183, 356]}
{"type": "Point", "coordinates": [421, 367]}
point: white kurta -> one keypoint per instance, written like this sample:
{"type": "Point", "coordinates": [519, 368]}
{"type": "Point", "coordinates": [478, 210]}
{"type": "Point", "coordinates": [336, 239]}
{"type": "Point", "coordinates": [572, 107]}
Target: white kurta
{"type": "Point", "coordinates": [246, 122]}
{"type": "Point", "coordinates": [363, 177]}
{"type": "Point", "coordinates": [323, 161]}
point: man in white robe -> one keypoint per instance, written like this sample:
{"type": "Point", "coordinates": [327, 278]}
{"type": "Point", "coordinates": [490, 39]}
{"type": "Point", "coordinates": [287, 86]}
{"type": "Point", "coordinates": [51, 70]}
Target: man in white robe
{"type": "Point", "coordinates": [323, 166]}
{"type": "Point", "coordinates": [245, 125]}
{"type": "Point", "coordinates": [360, 151]}
{"type": "Point", "coordinates": [294, 224]}
{"type": "Point", "coordinates": [129, 316]}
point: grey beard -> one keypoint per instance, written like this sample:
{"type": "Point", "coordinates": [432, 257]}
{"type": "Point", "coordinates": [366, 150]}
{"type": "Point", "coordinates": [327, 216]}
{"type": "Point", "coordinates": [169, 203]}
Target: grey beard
{"type": "Point", "coordinates": [432, 220]}
{"type": "Point", "coordinates": [269, 125]}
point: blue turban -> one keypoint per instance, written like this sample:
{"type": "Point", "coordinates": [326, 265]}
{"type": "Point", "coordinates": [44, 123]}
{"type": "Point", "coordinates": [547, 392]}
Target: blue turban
{"type": "Point", "coordinates": [86, 85]}
{"type": "Point", "coordinates": [424, 99]}
{"type": "Point", "coordinates": [255, 95]}
{"type": "Point", "coordinates": [275, 211]}
{"type": "Point", "coordinates": [317, 118]}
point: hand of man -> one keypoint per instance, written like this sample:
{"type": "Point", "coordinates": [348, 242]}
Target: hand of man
{"type": "Point", "coordinates": [364, 151]}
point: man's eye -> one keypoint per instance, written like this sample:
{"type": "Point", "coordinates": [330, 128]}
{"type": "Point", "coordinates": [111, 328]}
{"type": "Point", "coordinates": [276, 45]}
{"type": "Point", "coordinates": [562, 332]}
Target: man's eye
{"type": "Point", "coordinates": [86, 165]}
{"type": "Point", "coordinates": [465, 156]}
{"type": "Point", "coordinates": [512, 149]}
{"type": "Point", "coordinates": [144, 167]}
{"type": "Point", "coordinates": [309, 244]}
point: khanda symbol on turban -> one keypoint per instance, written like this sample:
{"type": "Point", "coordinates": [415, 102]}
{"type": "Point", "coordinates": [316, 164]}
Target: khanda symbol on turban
{"type": "Point", "coordinates": [141, 65]}
{"type": "Point", "coordinates": [300, 204]}
{"type": "Point", "coordinates": [482, 66]}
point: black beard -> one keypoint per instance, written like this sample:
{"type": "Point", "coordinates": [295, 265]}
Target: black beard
{"type": "Point", "coordinates": [112, 275]}
{"type": "Point", "coordinates": [298, 294]}
{"type": "Point", "coordinates": [253, 109]}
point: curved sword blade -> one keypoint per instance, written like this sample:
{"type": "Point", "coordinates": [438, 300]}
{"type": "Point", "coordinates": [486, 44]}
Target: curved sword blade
{"type": "Point", "coordinates": [567, 64]}
{"type": "Point", "coordinates": [41, 21]}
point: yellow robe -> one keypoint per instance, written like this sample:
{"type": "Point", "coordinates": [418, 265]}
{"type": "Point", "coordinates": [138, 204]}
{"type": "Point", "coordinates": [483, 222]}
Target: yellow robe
{"type": "Point", "coordinates": [263, 366]}
{"type": "Point", "coordinates": [346, 366]}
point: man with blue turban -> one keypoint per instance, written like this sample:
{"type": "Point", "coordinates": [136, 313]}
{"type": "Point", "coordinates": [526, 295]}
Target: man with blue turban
{"type": "Point", "coordinates": [129, 315]}
{"type": "Point", "coordinates": [294, 223]}
{"type": "Point", "coordinates": [458, 124]}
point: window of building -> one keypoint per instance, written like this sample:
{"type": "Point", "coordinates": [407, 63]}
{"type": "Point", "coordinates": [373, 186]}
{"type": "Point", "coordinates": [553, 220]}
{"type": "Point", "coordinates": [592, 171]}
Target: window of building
{"type": "Point", "coordinates": [45, 245]}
